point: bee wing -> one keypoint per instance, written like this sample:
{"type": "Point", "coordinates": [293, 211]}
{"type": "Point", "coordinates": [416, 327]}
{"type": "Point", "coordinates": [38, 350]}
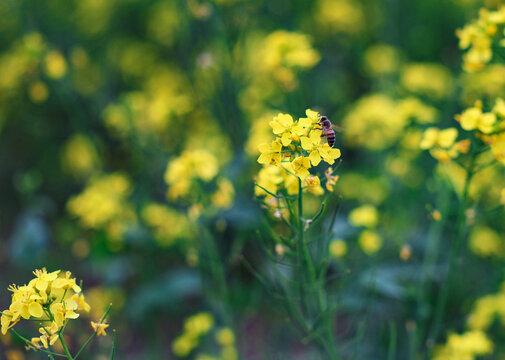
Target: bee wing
{"type": "Point", "coordinates": [337, 127]}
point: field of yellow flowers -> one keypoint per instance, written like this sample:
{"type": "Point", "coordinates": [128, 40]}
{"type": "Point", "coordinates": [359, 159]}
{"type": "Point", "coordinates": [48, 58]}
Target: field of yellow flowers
{"type": "Point", "coordinates": [252, 179]}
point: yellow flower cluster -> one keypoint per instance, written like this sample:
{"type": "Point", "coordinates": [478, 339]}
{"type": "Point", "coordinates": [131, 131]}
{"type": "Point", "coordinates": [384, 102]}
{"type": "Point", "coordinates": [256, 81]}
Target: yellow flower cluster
{"type": "Point", "coordinates": [487, 83]}
{"type": "Point", "coordinates": [169, 225]}
{"type": "Point", "coordinates": [79, 156]}
{"type": "Point", "coordinates": [283, 53]}
{"type": "Point", "coordinates": [484, 241]}
{"type": "Point", "coordinates": [367, 216]}
{"type": "Point", "coordinates": [377, 121]}
{"type": "Point", "coordinates": [50, 297]}
{"type": "Point", "coordinates": [381, 59]}
{"type": "Point", "coordinates": [103, 204]}
{"type": "Point", "coordinates": [442, 143]}
{"type": "Point", "coordinates": [427, 79]}
{"type": "Point", "coordinates": [474, 118]}
{"type": "Point", "coordinates": [466, 346]}
{"type": "Point", "coordinates": [297, 146]}
{"type": "Point", "coordinates": [296, 149]}
{"type": "Point", "coordinates": [163, 97]}
{"type": "Point", "coordinates": [340, 16]}
{"type": "Point", "coordinates": [189, 175]}
{"type": "Point", "coordinates": [478, 37]}
{"type": "Point", "coordinates": [486, 309]}
{"type": "Point", "coordinates": [197, 326]}
{"type": "Point", "coordinates": [270, 64]}
{"type": "Point", "coordinates": [23, 64]}
{"type": "Point", "coordinates": [490, 126]}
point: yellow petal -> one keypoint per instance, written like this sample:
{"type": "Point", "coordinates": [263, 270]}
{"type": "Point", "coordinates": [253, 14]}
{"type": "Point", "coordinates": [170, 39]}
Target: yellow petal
{"type": "Point", "coordinates": [447, 137]}
{"type": "Point", "coordinates": [41, 285]}
{"type": "Point", "coordinates": [36, 310]}
{"type": "Point", "coordinates": [429, 138]}
{"type": "Point", "coordinates": [306, 143]}
{"type": "Point", "coordinates": [276, 127]}
{"type": "Point", "coordinates": [305, 122]}
{"type": "Point", "coordinates": [286, 139]}
{"type": "Point", "coordinates": [312, 114]}
{"type": "Point", "coordinates": [285, 120]}
{"type": "Point", "coordinates": [315, 158]}
{"type": "Point", "coordinates": [315, 136]}
{"type": "Point", "coordinates": [264, 158]}
{"type": "Point", "coordinates": [276, 146]}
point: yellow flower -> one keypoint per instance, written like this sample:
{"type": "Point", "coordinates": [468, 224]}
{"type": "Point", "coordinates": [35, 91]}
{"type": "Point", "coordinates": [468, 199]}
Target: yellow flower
{"type": "Point", "coordinates": [365, 215]}
{"type": "Point", "coordinates": [199, 324]}
{"type": "Point", "coordinates": [337, 248]}
{"type": "Point", "coordinates": [329, 154]}
{"type": "Point", "coordinates": [63, 310]}
{"type": "Point", "coordinates": [269, 178]}
{"type": "Point", "coordinates": [370, 242]}
{"type": "Point", "coordinates": [66, 283]}
{"type": "Point", "coordinates": [6, 320]}
{"type": "Point", "coordinates": [434, 137]}
{"type": "Point", "coordinates": [99, 328]}
{"type": "Point", "coordinates": [38, 92]}
{"type": "Point", "coordinates": [25, 303]}
{"type": "Point", "coordinates": [270, 154]}
{"type": "Point", "coordinates": [49, 335]}
{"type": "Point", "coordinates": [56, 66]}
{"type": "Point", "coordinates": [224, 195]}
{"type": "Point", "coordinates": [465, 346]}
{"type": "Point", "coordinates": [282, 125]}
{"type": "Point", "coordinates": [301, 166]}
{"type": "Point", "coordinates": [432, 80]}
{"type": "Point", "coordinates": [183, 345]}
{"type": "Point", "coordinates": [484, 241]}
{"type": "Point", "coordinates": [225, 336]}
{"type": "Point", "coordinates": [44, 278]}
{"type": "Point", "coordinates": [81, 302]}
{"type": "Point", "coordinates": [312, 144]}
{"type": "Point", "coordinates": [314, 185]}
{"type": "Point", "coordinates": [331, 180]}
{"type": "Point", "coordinates": [474, 118]}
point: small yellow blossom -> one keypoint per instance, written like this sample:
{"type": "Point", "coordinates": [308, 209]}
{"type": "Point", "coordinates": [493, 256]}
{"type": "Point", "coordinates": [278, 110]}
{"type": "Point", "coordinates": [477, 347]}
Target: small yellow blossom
{"type": "Point", "coordinates": [270, 154]}
{"type": "Point", "coordinates": [314, 185]}
{"type": "Point", "coordinates": [337, 248]}
{"type": "Point", "coordinates": [365, 215]}
{"type": "Point", "coordinates": [56, 66]}
{"type": "Point", "coordinates": [100, 328]}
{"type": "Point", "coordinates": [301, 167]}
{"type": "Point", "coordinates": [473, 118]}
{"type": "Point", "coordinates": [465, 346]}
{"type": "Point", "coordinates": [225, 336]}
{"type": "Point", "coordinates": [434, 137]}
{"type": "Point", "coordinates": [370, 242]}
{"type": "Point", "coordinates": [38, 92]}
{"type": "Point", "coordinates": [484, 241]}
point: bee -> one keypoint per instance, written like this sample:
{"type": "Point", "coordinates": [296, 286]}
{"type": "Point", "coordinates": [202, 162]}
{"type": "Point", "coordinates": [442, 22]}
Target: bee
{"type": "Point", "coordinates": [327, 128]}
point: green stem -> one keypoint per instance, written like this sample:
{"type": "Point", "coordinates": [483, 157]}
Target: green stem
{"type": "Point", "coordinates": [65, 348]}
{"type": "Point", "coordinates": [431, 255]}
{"type": "Point", "coordinates": [453, 255]}
{"type": "Point", "coordinates": [33, 345]}
{"type": "Point", "coordinates": [309, 275]}
{"type": "Point", "coordinates": [94, 334]}
{"type": "Point", "coordinates": [113, 351]}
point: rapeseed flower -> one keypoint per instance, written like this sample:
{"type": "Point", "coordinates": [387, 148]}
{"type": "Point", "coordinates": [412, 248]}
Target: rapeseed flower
{"type": "Point", "coordinates": [478, 36]}
{"type": "Point", "coordinates": [300, 142]}
{"type": "Point", "coordinates": [50, 297]}
{"type": "Point", "coordinates": [100, 328]}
